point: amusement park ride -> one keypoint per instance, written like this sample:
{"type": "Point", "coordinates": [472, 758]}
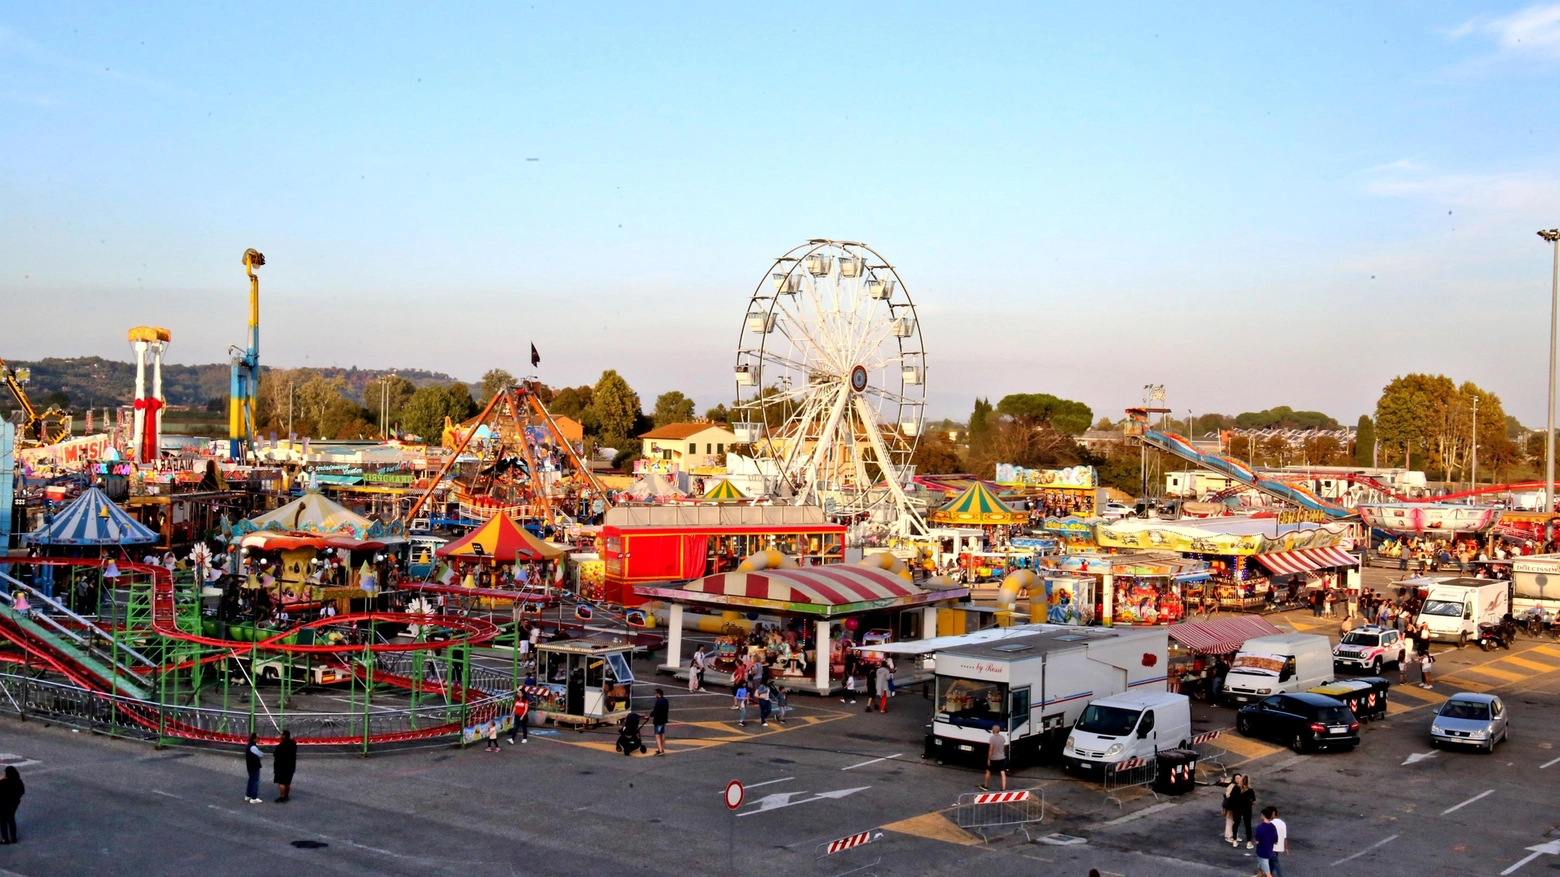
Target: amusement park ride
{"type": "Point", "coordinates": [246, 370]}
{"type": "Point", "coordinates": [47, 427]}
{"type": "Point", "coordinates": [831, 382]}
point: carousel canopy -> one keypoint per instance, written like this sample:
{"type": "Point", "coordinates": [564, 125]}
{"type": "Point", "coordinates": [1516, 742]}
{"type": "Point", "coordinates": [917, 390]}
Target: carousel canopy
{"type": "Point", "coordinates": [92, 519]}
{"type": "Point", "coordinates": [724, 490]}
{"type": "Point", "coordinates": [500, 539]}
{"type": "Point", "coordinates": [313, 513]}
{"type": "Point", "coordinates": [977, 505]}
{"type": "Point", "coordinates": [820, 590]}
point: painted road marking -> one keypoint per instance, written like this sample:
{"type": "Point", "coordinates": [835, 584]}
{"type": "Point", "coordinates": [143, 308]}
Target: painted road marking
{"type": "Point", "coordinates": [1531, 665]}
{"type": "Point", "coordinates": [873, 761]}
{"type": "Point", "coordinates": [1547, 650]}
{"type": "Point", "coordinates": [1380, 843]}
{"type": "Point", "coordinates": [1552, 848]}
{"type": "Point", "coordinates": [1487, 670]}
{"type": "Point", "coordinates": [782, 800]}
{"type": "Point", "coordinates": [1418, 756]}
{"type": "Point", "coordinates": [1549, 763]}
{"type": "Point", "coordinates": [1468, 684]}
{"type": "Point", "coordinates": [1467, 802]}
{"type": "Point", "coordinates": [768, 782]}
{"type": "Point", "coordinates": [1395, 707]}
{"type": "Point", "coordinates": [934, 826]}
{"type": "Point", "coordinates": [1424, 694]}
{"type": "Point", "coordinates": [1247, 747]}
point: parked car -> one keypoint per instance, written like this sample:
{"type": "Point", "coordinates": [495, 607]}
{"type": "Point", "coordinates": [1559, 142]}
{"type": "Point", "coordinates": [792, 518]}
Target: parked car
{"type": "Point", "coordinates": [1469, 719]}
{"type": "Point", "coordinates": [1115, 511]}
{"type": "Point", "coordinates": [1369, 648]}
{"type": "Point", "coordinates": [1304, 721]}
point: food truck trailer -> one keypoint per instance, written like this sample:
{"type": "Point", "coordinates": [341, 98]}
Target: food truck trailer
{"type": "Point", "coordinates": [1035, 686]}
{"type": "Point", "coordinates": [583, 682]}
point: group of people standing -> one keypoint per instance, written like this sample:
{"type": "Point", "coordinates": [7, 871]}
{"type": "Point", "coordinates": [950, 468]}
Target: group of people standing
{"type": "Point", "coordinates": [284, 762]}
{"type": "Point", "coordinates": [1269, 839]}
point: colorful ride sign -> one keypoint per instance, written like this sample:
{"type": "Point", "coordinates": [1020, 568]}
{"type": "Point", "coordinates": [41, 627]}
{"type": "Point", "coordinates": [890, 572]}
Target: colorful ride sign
{"type": "Point", "coordinates": [1072, 478]}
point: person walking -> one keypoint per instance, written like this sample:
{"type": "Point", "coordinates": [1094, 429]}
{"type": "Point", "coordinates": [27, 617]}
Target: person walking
{"type": "Point", "coordinates": [741, 697]}
{"type": "Point", "coordinates": [1281, 847]}
{"type": "Point", "coordinates": [1267, 838]}
{"type": "Point", "coordinates": [996, 758]}
{"type": "Point", "coordinates": [884, 679]}
{"type": "Point", "coordinates": [696, 670]}
{"type": "Point", "coordinates": [1231, 795]}
{"type": "Point", "coordinates": [872, 686]}
{"type": "Point", "coordinates": [11, 791]}
{"type": "Point", "coordinates": [761, 694]}
{"type": "Point", "coordinates": [1426, 661]}
{"type": "Point", "coordinates": [782, 702]}
{"type": "Point", "coordinates": [491, 735]}
{"type": "Point", "coordinates": [284, 763]}
{"type": "Point", "coordinates": [850, 688]}
{"type": "Point", "coordinates": [522, 717]}
{"type": "Point", "coordinates": [252, 756]}
{"type": "Point", "coordinates": [659, 711]}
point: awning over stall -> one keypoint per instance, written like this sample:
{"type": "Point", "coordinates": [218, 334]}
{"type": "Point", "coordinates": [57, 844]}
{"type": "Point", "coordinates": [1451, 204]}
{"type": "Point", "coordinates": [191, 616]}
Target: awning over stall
{"type": "Point", "coordinates": [1220, 636]}
{"type": "Point", "coordinates": [1290, 562]}
{"type": "Point", "coordinates": [821, 590]}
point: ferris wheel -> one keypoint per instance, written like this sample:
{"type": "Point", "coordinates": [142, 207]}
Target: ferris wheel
{"type": "Point", "coordinates": [831, 379]}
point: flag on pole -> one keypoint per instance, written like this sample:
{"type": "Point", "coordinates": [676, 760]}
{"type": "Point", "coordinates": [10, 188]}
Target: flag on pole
{"type": "Point", "coordinates": [536, 358]}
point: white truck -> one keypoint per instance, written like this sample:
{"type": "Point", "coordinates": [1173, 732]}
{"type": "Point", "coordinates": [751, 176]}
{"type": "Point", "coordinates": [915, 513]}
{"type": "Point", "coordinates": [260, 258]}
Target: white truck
{"type": "Point", "coordinates": [1454, 608]}
{"type": "Point", "coordinates": [1137, 724]}
{"type": "Point", "coordinates": [1535, 585]}
{"type": "Point", "coordinates": [1035, 686]}
{"type": "Point", "coordinates": [1278, 664]}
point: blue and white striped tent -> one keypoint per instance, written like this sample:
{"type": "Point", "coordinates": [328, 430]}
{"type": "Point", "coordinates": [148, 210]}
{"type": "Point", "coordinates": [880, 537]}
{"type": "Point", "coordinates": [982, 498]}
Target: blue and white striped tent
{"type": "Point", "coordinates": [84, 522]}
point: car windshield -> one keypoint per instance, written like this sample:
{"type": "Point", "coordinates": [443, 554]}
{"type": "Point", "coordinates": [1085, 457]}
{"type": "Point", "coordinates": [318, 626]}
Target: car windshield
{"type": "Point", "coordinates": [1355, 638]}
{"type": "Point", "coordinates": [1465, 709]}
{"type": "Point", "coordinates": [1108, 721]}
{"type": "Point", "coordinates": [1334, 715]}
{"type": "Point", "coordinates": [1442, 607]}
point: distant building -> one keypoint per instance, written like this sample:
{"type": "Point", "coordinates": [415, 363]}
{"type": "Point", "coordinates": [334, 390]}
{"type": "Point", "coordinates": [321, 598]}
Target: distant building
{"type": "Point", "coordinates": [688, 447]}
{"type": "Point", "coordinates": [573, 431]}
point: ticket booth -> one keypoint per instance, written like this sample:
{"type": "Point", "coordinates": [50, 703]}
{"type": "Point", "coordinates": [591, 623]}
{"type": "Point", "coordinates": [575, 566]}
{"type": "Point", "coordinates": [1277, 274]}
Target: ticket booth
{"type": "Point", "coordinates": [583, 681]}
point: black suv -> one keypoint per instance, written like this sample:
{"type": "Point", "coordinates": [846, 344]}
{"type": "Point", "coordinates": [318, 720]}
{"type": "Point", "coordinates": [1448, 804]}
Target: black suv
{"type": "Point", "coordinates": [1304, 721]}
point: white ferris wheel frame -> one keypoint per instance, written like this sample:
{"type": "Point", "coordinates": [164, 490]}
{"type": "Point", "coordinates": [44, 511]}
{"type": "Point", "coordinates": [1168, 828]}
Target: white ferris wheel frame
{"type": "Point", "coordinates": [830, 351]}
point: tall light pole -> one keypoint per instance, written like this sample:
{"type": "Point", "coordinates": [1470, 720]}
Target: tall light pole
{"type": "Point", "coordinates": [1474, 482]}
{"type": "Point", "coordinates": [1552, 235]}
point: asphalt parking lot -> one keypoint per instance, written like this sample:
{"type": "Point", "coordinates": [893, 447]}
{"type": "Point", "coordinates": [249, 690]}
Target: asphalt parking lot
{"type": "Point", "coordinates": [567, 804]}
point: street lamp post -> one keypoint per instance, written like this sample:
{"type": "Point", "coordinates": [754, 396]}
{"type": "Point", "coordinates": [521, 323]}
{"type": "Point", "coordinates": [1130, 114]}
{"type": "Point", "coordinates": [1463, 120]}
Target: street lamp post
{"type": "Point", "coordinates": [1552, 235]}
{"type": "Point", "coordinates": [1474, 483]}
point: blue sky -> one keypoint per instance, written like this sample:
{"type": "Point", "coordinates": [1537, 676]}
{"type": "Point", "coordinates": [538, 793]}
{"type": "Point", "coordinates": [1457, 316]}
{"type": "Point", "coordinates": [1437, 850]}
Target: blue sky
{"type": "Point", "coordinates": [1251, 205]}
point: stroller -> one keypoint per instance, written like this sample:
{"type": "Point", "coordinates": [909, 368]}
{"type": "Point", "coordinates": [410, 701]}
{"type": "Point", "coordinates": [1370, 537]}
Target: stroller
{"type": "Point", "coordinates": [629, 738]}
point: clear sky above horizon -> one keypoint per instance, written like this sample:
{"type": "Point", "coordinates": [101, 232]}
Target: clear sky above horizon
{"type": "Point", "coordinates": [1252, 205]}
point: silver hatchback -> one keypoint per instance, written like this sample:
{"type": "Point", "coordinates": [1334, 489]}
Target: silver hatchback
{"type": "Point", "coordinates": [1469, 719]}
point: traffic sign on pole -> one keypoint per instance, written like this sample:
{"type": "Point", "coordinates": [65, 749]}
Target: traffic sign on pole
{"type": "Point", "coordinates": [734, 794]}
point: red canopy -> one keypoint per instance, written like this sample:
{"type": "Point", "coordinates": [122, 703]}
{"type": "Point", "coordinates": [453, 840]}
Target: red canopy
{"type": "Point", "coordinates": [499, 540]}
{"type": "Point", "coordinates": [1220, 636]}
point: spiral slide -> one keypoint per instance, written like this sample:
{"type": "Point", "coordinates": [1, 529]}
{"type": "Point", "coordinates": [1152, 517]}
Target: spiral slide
{"type": "Point", "coordinates": [1178, 446]}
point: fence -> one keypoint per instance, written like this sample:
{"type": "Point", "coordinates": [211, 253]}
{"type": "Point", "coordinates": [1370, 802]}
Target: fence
{"type": "Point", "coordinates": [119, 716]}
{"type": "Point", "coordinates": [985, 812]}
{"type": "Point", "coordinates": [1128, 774]}
{"type": "Point", "coordinates": [851, 842]}
{"type": "Point", "coordinates": [1211, 755]}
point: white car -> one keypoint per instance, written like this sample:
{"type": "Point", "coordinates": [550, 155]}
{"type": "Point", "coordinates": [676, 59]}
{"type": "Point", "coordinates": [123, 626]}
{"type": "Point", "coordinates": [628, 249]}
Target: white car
{"type": "Point", "coordinates": [1368, 648]}
{"type": "Point", "coordinates": [1115, 511]}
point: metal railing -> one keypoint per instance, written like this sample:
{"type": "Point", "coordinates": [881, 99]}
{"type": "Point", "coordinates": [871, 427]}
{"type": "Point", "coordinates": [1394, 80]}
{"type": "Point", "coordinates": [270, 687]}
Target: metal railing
{"type": "Point", "coordinates": [115, 715]}
{"type": "Point", "coordinates": [1130, 774]}
{"type": "Point", "coordinates": [986, 813]}
{"type": "Point", "coordinates": [1211, 755]}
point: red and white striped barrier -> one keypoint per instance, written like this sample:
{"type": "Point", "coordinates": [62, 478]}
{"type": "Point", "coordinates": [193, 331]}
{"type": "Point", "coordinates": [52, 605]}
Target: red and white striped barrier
{"type": "Point", "coordinates": [1205, 737]}
{"type": "Point", "coordinates": [853, 841]}
{"type": "Point", "coordinates": [1000, 797]}
{"type": "Point", "coordinates": [1130, 763]}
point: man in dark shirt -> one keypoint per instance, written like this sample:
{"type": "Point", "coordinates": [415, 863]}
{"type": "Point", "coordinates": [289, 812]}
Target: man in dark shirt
{"type": "Point", "coordinates": [1267, 839]}
{"type": "Point", "coordinates": [658, 713]}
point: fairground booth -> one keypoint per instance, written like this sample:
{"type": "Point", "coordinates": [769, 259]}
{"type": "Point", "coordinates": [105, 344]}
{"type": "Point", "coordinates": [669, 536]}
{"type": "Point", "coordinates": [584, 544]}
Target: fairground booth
{"type": "Point", "coordinates": [315, 550]}
{"type": "Point", "coordinates": [501, 554]}
{"type": "Point", "coordinates": [1074, 533]}
{"type": "Point", "coordinates": [1134, 588]}
{"type": "Point", "coordinates": [801, 621]}
{"type": "Point", "coordinates": [1196, 647]}
{"type": "Point", "coordinates": [92, 526]}
{"type": "Point", "coordinates": [1052, 493]}
{"type": "Point", "coordinates": [1253, 562]}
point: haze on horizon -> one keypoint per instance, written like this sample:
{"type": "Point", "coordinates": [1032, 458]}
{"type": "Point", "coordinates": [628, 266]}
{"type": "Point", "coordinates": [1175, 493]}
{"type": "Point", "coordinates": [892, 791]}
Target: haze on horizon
{"type": "Point", "coordinates": [1251, 206]}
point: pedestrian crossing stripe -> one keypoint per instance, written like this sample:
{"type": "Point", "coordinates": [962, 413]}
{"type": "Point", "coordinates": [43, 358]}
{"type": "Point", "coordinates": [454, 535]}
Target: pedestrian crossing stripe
{"type": "Point", "coordinates": [1548, 650]}
{"type": "Point", "coordinates": [1531, 665]}
{"type": "Point", "coordinates": [1246, 746]}
{"type": "Point", "coordinates": [1487, 670]}
{"type": "Point", "coordinates": [1394, 707]}
{"type": "Point", "coordinates": [1468, 684]}
{"type": "Point", "coordinates": [1424, 694]}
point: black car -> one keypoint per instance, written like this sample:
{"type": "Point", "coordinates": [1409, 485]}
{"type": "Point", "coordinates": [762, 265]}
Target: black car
{"type": "Point", "coordinates": [1304, 721]}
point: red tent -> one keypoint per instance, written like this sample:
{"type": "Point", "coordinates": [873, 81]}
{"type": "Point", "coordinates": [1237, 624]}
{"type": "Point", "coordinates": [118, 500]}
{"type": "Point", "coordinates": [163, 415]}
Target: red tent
{"type": "Point", "coordinates": [500, 540]}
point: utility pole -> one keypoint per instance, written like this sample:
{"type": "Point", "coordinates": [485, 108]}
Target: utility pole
{"type": "Point", "coordinates": [1474, 485]}
{"type": "Point", "coordinates": [289, 415]}
{"type": "Point", "coordinates": [1552, 235]}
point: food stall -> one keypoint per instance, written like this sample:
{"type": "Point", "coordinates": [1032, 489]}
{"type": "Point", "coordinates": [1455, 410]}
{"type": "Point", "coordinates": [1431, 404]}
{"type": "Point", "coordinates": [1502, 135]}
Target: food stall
{"type": "Point", "coordinates": [1138, 588]}
{"type": "Point", "coordinates": [1069, 492]}
{"type": "Point", "coordinates": [583, 682]}
{"type": "Point", "coordinates": [1197, 646]}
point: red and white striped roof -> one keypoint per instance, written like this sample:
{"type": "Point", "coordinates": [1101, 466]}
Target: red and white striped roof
{"type": "Point", "coordinates": [831, 585]}
{"type": "Point", "coordinates": [1221, 636]}
{"type": "Point", "coordinates": [1307, 559]}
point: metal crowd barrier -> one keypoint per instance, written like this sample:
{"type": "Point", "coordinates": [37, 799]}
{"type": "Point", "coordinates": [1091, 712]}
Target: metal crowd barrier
{"type": "Point", "coordinates": [1129, 774]}
{"type": "Point", "coordinates": [1211, 754]}
{"type": "Point", "coordinates": [984, 813]}
{"type": "Point", "coordinates": [851, 842]}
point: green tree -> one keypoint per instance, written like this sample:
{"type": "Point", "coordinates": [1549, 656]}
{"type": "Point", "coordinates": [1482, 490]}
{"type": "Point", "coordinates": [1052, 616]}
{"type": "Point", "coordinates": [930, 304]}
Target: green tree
{"type": "Point", "coordinates": [672, 407]}
{"type": "Point", "coordinates": [614, 409]}
{"type": "Point", "coordinates": [571, 402]}
{"type": "Point", "coordinates": [935, 455]}
{"type": "Point", "coordinates": [980, 425]}
{"type": "Point", "coordinates": [718, 414]}
{"type": "Point", "coordinates": [425, 412]}
{"type": "Point", "coordinates": [1411, 410]}
{"type": "Point", "coordinates": [1365, 442]}
{"type": "Point", "coordinates": [1284, 417]}
{"type": "Point", "coordinates": [495, 381]}
{"type": "Point", "coordinates": [1035, 409]}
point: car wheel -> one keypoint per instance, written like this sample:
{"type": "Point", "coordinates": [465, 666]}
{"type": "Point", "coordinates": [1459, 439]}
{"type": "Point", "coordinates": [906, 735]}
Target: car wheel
{"type": "Point", "coordinates": [1298, 744]}
{"type": "Point", "coordinates": [1243, 725]}
{"type": "Point", "coordinates": [1462, 639]}
{"type": "Point", "coordinates": [1375, 667]}
{"type": "Point", "coordinates": [1434, 743]}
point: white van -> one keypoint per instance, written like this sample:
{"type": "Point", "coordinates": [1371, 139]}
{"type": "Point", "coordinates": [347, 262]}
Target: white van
{"type": "Point", "coordinates": [1278, 664]}
{"type": "Point", "coordinates": [1454, 608]}
{"type": "Point", "coordinates": [1137, 724]}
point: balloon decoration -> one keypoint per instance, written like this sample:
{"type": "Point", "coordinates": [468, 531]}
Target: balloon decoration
{"type": "Point", "coordinates": [584, 612]}
{"type": "Point", "coordinates": [850, 624]}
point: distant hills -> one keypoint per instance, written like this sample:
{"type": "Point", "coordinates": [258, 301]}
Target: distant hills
{"type": "Point", "coordinates": [94, 382]}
